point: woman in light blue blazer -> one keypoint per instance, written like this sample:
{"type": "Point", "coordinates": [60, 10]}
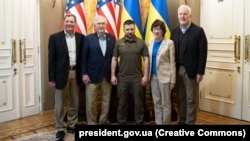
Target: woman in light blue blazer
{"type": "Point", "coordinates": [162, 72]}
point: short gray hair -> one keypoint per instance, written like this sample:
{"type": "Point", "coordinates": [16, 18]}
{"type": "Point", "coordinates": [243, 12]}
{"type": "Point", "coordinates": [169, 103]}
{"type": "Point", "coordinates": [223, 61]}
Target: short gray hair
{"type": "Point", "coordinates": [186, 7]}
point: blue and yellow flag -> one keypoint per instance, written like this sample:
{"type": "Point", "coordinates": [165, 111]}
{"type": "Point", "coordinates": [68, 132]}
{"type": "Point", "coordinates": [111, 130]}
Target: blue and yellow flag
{"type": "Point", "coordinates": [131, 10]}
{"type": "Point", "coordinates": [158, 9]}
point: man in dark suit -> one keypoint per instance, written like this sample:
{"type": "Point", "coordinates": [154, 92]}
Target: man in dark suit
{"type": "Point", "coordinates": [65, 49]}
{"type": "Point", "coordinates": [191, 54]}
{"type": "Point", "coordinates": [96, 72]}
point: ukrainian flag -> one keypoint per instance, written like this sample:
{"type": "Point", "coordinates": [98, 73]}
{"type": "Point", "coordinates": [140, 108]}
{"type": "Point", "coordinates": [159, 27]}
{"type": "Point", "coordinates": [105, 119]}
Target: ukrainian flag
{"type": "Point", "coordinates": [158, 9]}
{"type": "Point", "coordinates": [131, 10]}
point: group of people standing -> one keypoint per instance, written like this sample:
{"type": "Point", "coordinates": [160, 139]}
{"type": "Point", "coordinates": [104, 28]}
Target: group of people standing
{"type": "Point", "coordinates": [99, 61]}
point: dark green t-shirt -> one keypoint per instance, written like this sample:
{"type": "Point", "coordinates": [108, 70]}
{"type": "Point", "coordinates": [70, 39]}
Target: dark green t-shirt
{"type": "Point", "coordinates": [130, 53]}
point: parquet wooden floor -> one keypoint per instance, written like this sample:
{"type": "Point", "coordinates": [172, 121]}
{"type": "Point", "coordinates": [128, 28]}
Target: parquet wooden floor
{"type": "Point", "coordinates": [44, 122]}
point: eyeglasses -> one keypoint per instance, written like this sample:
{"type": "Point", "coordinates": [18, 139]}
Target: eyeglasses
{"type": "Point", "coordinates": [101, 23]}
{"type": "Point", "coordinates": [157, 29]}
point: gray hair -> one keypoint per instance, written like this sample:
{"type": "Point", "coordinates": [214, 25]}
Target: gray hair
{"type": "Point", "coordinates": [186, 7]}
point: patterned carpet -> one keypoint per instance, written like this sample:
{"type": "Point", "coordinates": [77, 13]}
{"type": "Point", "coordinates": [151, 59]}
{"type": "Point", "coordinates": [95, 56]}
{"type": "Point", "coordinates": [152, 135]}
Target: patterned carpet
{"type": "Point", "coordinates": [48, 136]}
{"type": "Point", "coordinates": [42, 131]}
{"type": "Point", "coordinates": [45, 131]}
{"type": "Point", "coordinates": [29, 130]}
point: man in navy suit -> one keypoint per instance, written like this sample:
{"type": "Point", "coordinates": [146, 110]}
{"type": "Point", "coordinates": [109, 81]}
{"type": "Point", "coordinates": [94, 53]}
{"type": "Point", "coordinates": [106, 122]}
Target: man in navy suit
{"type": "Point", "coordinates": [191, 55]}
{"type": "Point", "coordinates": [65, 49]}
{"type": "Point", "coordinates": [96, 72]}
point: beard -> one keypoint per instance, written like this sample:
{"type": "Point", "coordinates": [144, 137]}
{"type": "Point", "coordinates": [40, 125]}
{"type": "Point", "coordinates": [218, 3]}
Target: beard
{"type": "Point", "coordinates": [130, 35]}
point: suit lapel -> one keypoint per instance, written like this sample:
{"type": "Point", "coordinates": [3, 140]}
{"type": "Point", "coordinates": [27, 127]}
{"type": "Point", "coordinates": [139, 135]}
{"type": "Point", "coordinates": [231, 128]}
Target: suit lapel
{"type": "Point", "coordinates": [151, 45]}
{"type": "Point", "coordinates": [97, 44]}
{"type": "Point", "coordinates": [163, 43]}
{"type": "Point", "coordinates": [77, 38]}
{"type": "Point", "coordinates": [64, 43]}
{"type": "Point", "coordinates": [108, 39]}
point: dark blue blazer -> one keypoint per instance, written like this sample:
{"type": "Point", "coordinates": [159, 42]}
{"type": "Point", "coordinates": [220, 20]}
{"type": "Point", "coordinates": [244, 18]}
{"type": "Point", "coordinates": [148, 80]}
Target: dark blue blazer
{"type": "Point", "coordinates": [195, 49]}
{"type": "Point", "coordinates": [94, 64]}
{"type": "Point", "coordinates": [59, 59]}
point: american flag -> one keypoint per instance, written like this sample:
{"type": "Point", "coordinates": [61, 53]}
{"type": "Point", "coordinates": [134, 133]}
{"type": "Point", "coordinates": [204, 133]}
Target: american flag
{"type": "Point", "coordinates": [76, 7]}
{"type": "Point", "coordinates": [117, 9]}
{"type": "Point", "coordinates": [106, 9]}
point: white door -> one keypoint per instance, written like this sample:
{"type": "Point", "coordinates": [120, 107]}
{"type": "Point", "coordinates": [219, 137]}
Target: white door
{"type": "Point", "coordinates": [221, 90]}
{"type": "Point", "coordinates": [19, 95]}
{"type": "Point", "coordinates": [246, 72]}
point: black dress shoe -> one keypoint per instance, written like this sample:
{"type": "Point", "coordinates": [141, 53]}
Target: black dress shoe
{"type": "Point", "coordinates": [70, 130]}
{"type": "Point", "coordinates": [60, 135]}
{"type": "Point", "coordinates": [181, 123]}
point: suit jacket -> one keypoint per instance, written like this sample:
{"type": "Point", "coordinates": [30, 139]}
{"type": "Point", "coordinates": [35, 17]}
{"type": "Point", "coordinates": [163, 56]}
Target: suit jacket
{"type": "Point", "coordinates": [94, 64]}
{"type": "Point", "coordinates": [195, 49]}
{"type": "Point", "coordinates": [59, 64]}
{"type": "Point", "coordinates": [165, 61]}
